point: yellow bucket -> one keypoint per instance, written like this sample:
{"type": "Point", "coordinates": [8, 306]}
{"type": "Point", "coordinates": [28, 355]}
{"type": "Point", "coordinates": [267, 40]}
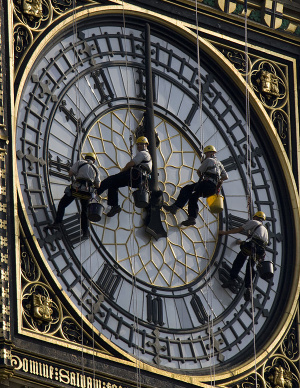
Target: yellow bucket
{"type": "Point", "coordinates": [215, 203]}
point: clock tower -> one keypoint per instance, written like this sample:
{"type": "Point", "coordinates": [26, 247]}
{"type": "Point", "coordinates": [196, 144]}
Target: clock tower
{"type": "Point", "coordinates": [127, 307]}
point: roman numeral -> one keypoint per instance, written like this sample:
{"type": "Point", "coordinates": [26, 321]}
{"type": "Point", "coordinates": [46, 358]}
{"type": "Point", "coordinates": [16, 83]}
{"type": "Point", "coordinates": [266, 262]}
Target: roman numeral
{"type": "Point", "coordinates": [229, 164]}
{"type": "Point", "coordinates": [191, 114]}
{"type": "Point", "coordinates": [224, 276]}
{"type": "Point", "coordinates": [108, 281]}
{"type": "Point", "coordinates": [236, 222]}
{"type": "Point", "coordinates": [155, 310]}
{"type": "Point", "coordinates": [61, 168]}
{"type": "Point", "coordinates": [199, 309]}
{"type": "Point", "coordinates": [102, 86]}
{"type": "Point", "coordinates": [141, 84]}
{"type": "Point", "coordinates": [70, 115]}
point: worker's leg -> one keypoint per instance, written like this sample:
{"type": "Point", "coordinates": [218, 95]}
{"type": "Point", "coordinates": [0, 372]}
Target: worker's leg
{"type": "Point", "coordinates": [202, 189]}
{"type": "Point", "coordinates": [121, 179]}
{"type": "Point", "coordinates": [184, 195]}
{"type": "Point", "coordinates": [63, 203]}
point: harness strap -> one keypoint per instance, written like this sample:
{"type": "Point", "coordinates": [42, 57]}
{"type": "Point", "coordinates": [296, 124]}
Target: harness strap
{"type": "Point", "coordinates": [257, 240]}
{"type": "Point", "coordinates": [84, 163]}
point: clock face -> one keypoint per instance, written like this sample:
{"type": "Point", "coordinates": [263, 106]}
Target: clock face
{"type": "Point", "coordinates": [159, 299]}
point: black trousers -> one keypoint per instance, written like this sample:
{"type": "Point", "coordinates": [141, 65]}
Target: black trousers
{"type": "Point", "coordinates": [65, 202]}
{"type": "Point", "coordinates": [191, 193]}
{"type": "Point", "coordinates": [247, 249]}
{"type": "Point", "coordinates": [112, 183]}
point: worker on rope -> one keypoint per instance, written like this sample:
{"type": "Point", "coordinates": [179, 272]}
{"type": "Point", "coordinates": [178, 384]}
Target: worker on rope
{"type": "Point", "coordinates": [131, 175]}
{"type": "Point", "coordinates": [254, 247]}
{"type": "Point", "coordinates": [211, 176]}
{"type": "Point", "coordinates": [87, 179]}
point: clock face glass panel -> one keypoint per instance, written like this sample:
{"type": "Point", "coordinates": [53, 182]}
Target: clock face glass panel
{"type": "Point", "coordinates": [86, 93]}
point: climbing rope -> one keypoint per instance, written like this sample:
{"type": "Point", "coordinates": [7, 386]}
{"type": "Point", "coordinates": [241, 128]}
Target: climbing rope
{"type": "Point", "coordinates": [77, 102]}
{"type": "Point", "coordinates": [80, 145]}
{"type": "Point", "coordinates": [131, 215]}
{"type": "Point", "coordinates": [249, 178]}
{"type": "Point", "coordinates": [206, 215]}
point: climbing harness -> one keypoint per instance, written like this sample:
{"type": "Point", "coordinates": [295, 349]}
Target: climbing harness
{"type": "Point", "coordinates": [142, 194]}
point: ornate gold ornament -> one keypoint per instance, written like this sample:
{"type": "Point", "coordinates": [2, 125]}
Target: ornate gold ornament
{"type": "Point", "coordinates": [33, 8]}
{"type": "Point", "coordinates": [268, 84]}
{"type": "Point", "coordinates": [281, 378]}
{"type": "Point", "coordinates": [42, 310]}
{"type": "Point", "coordinates": [281, 373]}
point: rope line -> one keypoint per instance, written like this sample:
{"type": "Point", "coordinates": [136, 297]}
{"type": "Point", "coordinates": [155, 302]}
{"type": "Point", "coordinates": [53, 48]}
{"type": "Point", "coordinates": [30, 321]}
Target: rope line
{"type": "Point", "coordinates": [80, 145]}
{"type": "Point", "coordinates": [77, 109]}
{"type": "Point", "coordinates": [249, 177]}
{"type": "Point", "coordinates": [131, 217]}
{"type": "Point", "coordinates": [210, 323]}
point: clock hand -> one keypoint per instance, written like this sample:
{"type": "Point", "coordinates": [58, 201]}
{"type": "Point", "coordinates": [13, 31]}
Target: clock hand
{"type": "Point", "coordinates": [153, 223]}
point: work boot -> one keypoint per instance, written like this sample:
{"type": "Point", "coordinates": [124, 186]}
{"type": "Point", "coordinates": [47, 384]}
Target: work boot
{"type": "Point", "coordinates": [114, 210]}
{"type": "Point", "coordinates": [247, 294]}
{"type": "Point", "coordinates": [86, 235]}
{"type": "Point", "coordinates": [230, 282]}
{"type": "Point", "coordinates": [190, 221]}
{"type": "Point", "coordinates": [171, 208]}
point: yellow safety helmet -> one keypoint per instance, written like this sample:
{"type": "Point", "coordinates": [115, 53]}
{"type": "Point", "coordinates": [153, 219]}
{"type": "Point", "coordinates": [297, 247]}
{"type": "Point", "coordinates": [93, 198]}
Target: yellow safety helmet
{"type": "Point", "coordinates": [142, 140]}
{"type": "Point", "coordinates": [90, 155]}
{"type": "Point", "coordinates": [209, 148]}
{"type": "Point", "coordinates": [260, 215]}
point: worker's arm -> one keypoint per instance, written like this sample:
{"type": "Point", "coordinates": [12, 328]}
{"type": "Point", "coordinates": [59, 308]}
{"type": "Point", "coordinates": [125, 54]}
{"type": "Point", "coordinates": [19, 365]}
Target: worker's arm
{"type": "Point", "coordinates": [231, 231]}
{"type": "Point", "coordinates": [130, 164]}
